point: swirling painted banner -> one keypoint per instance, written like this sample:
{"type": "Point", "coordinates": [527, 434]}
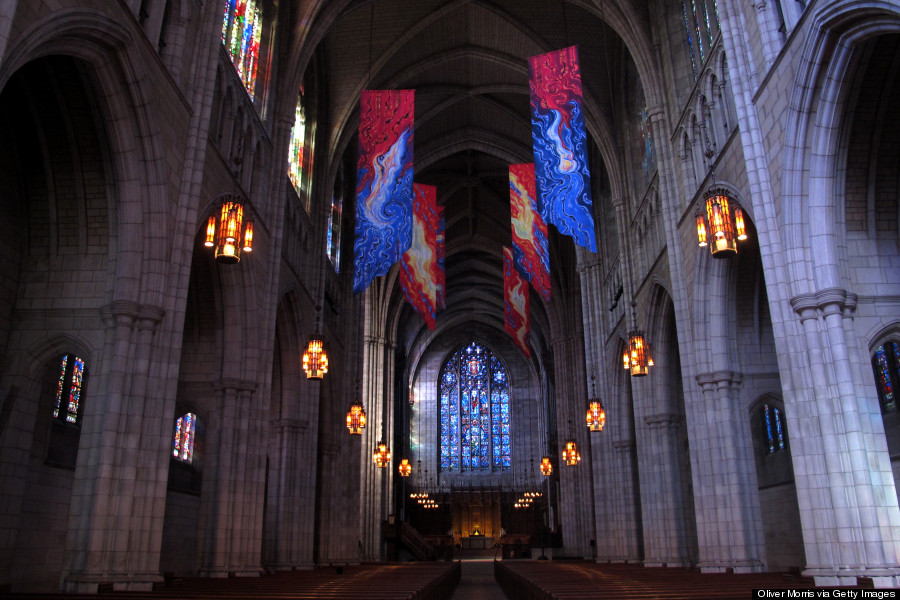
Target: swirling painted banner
{"type": "Point", "coordinates": [515, 296]}
{"type": "Point", "coordinates": [421, 273]}
{"type": "Point", "coordinates": [442, 275]}
{"type": "Point", "coordinates": [529, 232]}
{"type": "Point", "coordinates": [384, 191]}
{"type": "Point", "coordinates": [560, 145]}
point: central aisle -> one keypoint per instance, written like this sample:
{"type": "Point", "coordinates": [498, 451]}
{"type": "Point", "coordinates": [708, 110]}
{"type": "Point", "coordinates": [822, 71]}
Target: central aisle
{"type": "Point", "coordinates": [477, 581]}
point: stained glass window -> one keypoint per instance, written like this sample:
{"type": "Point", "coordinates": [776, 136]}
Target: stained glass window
{"type": "Point", "coordinates": [648, 163]}
{"type": "Point", "coordinates": [241, 34]}
{"type": "Point", "coordinates": [701, 27]}
{"type": "Point", "coordinates": [68, 388]}
{"type": "Point", "coordinates": [773, 428]}
{"type": "Point", "coordinates": [333, 243]}
{"type": "Point", "coordinates": [474, 411]}
{"type": "Point", "coordinates": [886, 365]}
{"type": "Point", "coordinates": [183, 445]}
{"type": "Point", "coordinates": [297, 146]}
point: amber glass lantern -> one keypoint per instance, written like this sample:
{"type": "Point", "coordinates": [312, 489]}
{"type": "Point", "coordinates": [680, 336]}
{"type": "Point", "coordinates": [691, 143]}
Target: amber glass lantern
{"type": "Point", "coordinates": [315, 360]}
{"type": "Point", "coordinates": [596, 416]}
{"type": "Point", "coordinates": [723, 225]}
{"type": "Point", "coordinates": [356, 418]}
{"type": "Point", "coordinates": [546, 466]}
{"type": "Point", "coordinates": [381, 456]}
{"type": "Point", "coordinates": [637, 357]}
{"type": "Point", "coordinates": [227, 233]}
{"type": "Point", "coordinates": [405, 468]}
{"type": "Point", "coordinates": [571, 455]}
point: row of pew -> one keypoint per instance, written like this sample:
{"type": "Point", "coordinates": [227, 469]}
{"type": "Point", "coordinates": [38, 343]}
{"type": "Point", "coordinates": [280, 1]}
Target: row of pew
{"type": "Point", "coordinates": [381, 581]}
{"type": "Point", "coordinates": [585, 580]}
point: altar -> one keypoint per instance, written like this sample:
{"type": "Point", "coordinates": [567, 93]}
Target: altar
{"type": "Point", "coordinates": [477, 542]}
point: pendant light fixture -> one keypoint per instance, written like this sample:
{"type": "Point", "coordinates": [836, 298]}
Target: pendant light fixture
{"type": "Point", "coordinates": [405, 468]}
{"type": "Point", "coordinates": [226, 230]}
{"type": "Point", "coordinates": [722, 226]}
{"type": "Point", "coordinates": [596, 415]}
{"type": "Point", "coordinates": [315, 359]}
{"type": "Point", "coordinates": [571, 455]}
{"type": "Point", "coordinates": [546, 466]}
{"type": "Point", "coordinates": [356, 415]}
{"type": "Point", "coordinates": [636, 357]}
{"type": "Point", "coordinates": [382, 456]}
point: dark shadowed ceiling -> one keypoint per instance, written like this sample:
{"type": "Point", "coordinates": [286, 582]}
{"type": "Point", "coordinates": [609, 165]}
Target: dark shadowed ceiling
{"type": "Point", "coordinates": [467, 61]}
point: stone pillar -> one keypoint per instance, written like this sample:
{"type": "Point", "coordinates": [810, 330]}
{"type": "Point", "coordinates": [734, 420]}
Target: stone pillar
{"type": "Point", "coordinates": [625, 523]}
{"type": "Point", "coordinates": [375, 489]}
{"type": "Point", "coordinates": [231, 517]}
{"type": "Point", "coordinates": [848, 503]}
{"type": "Point", "coordinates": [769, 24]}
{"type": "Point", "coordinates": [726, 496]}
{"type": "Point", "coordinates": [285, 512]}
{"type": "Point", "coordinates": [118, 497]}
{"type": "Point", "coordinates": [666, 542]}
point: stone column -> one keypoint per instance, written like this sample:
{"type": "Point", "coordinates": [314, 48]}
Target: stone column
{"type": "Point", "coordinates": [726, 496]}
{"type": "Point", "coordinates": [96, 543]}
{"type": "Point", "coordinates": [848, 505]}
{"type": "Point", "coordinates": [666, 533]}
{"type": "Point", "coordinates": [376, 481]}
{"type": "Point", "coordinates": [625, 523]}
{"type": "Point", "coordinates": [230, 521]}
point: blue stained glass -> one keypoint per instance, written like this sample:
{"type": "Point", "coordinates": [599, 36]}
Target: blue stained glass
{"type": "Point", "coordinates": [768, 428]}
{"type": "Point", "coordinates": [884, 374]}
{"type": "Point", "coordinates": [773, 428]}
{"type": "Point", "coordinates": [474, 404]}
{"type": "Point", "coordinates": [690, 42]}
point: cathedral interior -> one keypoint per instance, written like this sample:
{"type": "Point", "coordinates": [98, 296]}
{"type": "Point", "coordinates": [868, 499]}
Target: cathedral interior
{"type": "Point", "coordinates": [157, 413]}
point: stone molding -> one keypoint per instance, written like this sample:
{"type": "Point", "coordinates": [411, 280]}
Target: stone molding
{"type": "Point", "coordinates": [233, 383]}
{"type": "Point", "coordinates": [662, 420]}
{"type": "Point", "coordinates": [720, 379]}
{"type": "Point", "coordinates": [299, 424]}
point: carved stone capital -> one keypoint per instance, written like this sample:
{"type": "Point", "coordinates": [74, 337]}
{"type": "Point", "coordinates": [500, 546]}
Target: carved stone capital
{"type": "Point", "coordinates": [806, 306]}
{"type": "Point", "coordinates": [831, 301]}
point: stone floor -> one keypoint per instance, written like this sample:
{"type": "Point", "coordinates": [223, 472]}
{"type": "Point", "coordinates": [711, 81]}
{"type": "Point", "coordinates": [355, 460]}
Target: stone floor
{"type": "Point", "coordinates": [477, 581]}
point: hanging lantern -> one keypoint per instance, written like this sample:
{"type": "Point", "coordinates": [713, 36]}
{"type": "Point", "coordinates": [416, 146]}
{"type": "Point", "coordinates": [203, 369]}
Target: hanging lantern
{"type": "Point", "coordinates": [596, 416]}
{"type": "Point", "coordinates": [315, 360]}
{"type": "Point", "coordinates": [381, 456]}
{"type": "Point", "coordinates": [546, 466]}
{"type": "Point", "coordinates": [405, 468]}
{"type": "Point", "coordinates": [637, 357]}
{"type": "Point", "coordinates": [571, 454]}
{"type": "Point", "coordinates": [722, 226]}
{"type": "Point", "coordinates": [227, 233]}
{"type": "Point", "coordinates": [356, 418]}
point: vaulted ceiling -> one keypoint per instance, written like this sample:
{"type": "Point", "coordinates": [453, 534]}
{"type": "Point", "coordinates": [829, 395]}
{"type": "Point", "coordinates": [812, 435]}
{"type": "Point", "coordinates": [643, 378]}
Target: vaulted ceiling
{"type": "Point", "coordinates": [467, 61]}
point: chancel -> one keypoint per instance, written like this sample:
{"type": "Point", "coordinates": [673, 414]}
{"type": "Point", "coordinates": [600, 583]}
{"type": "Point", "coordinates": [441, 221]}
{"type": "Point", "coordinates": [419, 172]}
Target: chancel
{"type": "Point", "coordinates": [288, 286]}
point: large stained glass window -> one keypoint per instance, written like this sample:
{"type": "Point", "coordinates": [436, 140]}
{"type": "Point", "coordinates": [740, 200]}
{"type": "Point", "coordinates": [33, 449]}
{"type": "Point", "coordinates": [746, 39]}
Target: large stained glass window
{"type": "Point", "coordinates": [183, 445]}
{"type": "Point", "coordinates": [474, 397]}
{"type": "Point", "coordinates": [773, 428]}
{"type": "Point", "coordinates": [886, 364]}
{"type": "Point", "coordinates": [69, 389]}
{"type": "Point", "coordinates": [241, 34]}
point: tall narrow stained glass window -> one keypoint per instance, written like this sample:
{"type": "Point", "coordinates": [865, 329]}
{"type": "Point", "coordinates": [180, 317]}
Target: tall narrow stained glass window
{"type": "Point", "coordinates": [701, 24]}
{"type": "Point", "coordinates": [333, 232]}
{"type": "Point", "coordinates": [773, 428]}
{"type": "Point", "coordinates": [297, 146]}
{"type": "Point", "coordinates": [69, 388]}
{"type": "Point", "coordinates": [183, 444]}
{"type": "Point", "coordinates": [241, 34]}
{"type": "Point", "coordinates": [886, 365]}
{"type": "Point", "coordinates": [474, 401]}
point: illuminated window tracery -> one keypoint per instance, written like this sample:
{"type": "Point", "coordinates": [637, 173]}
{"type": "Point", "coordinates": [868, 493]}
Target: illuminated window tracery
{"type": "Point", "coordinates": [474, 411]}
